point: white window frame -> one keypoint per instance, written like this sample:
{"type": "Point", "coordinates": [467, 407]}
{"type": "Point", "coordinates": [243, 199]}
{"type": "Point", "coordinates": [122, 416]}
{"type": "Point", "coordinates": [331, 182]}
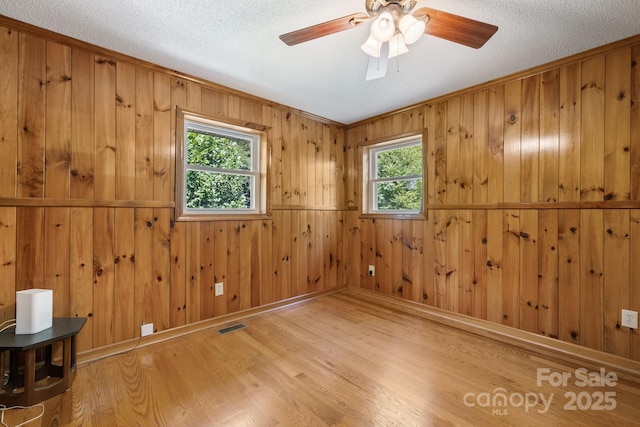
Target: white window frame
{"type": "Point", "coordinates": [370, 178]}
{"type": "Point", "coordinates": [189, 121]}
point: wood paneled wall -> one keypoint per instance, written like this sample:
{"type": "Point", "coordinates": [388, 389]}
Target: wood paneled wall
{"type": "Point", "coordinates": [87, 152]}
{"type": "Point", "coordinates": [533, 193]}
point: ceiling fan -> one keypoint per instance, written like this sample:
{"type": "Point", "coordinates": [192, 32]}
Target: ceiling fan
{"type": "Point", "coordinates": [394, 27]}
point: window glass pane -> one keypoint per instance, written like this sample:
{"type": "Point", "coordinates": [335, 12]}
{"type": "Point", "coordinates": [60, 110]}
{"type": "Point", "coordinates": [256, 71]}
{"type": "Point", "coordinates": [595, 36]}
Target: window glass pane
{"type": "Point", "coordinates": [402, 161]}
{"type": "Point", "coordinates": [218, 151]}
{"type": "Point", "coordinates": [399, 195]}
{"type": "Point", "coordinates": [206, 190]}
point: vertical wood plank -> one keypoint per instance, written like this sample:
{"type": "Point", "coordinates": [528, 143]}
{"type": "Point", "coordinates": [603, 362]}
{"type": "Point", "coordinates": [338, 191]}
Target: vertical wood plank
{"type": "Point", "coordinates": [592, 129]}
{"type": "Point", "coordinates": [143, 235]}
{"type": "Point", "coordinates": [616, 283]}
{"type": "Point", "coordinates": [58, 121]}
{"type": "Point", "coordinates": [511, 268]}
{"type": "Point", "coordinates": [29, 248]}
{"type": "Point", "coordinates": [247, 266]}
{"type": "Point", "coordinates": [423, 262]}
{"type": "Point", "coordinates": [634, 277]}
{"type": "Point", "coordinates": [105, 128]}
{"type": "Point", "coordinates": [82, 125]}
{"type": "Point", "coordinates": [179, 274]}
{"type": "Point", "coordinates": [467, 160]}
{"type": "Point", "coordinates": [298, 284]}
{"type": "Point", "coordinates": [232, 284]}
{"type": "Point", "coordinates": [271, 288]}
{"type": "Point", "coordinates": [548, 273]}
{"type": "Point", "coordinates": [8, 168]}
{"type": "Point", "coordinates": [161, 137]}
{"type": "Point", "coordinates": [256, 238]}
{"type": "Point", "coordinates": [81, 272]}
{"type": "Point", "coordinates": [591, 278]}
{"type": "Point", "coordinates": [530, 142]}
{"type": "Point", "coordinates": [31, 116]}
{"type": "Point", "coordinates": [193, 254]}
{"type": "Point", "coordinates": [125, 143]}
{"type": "Point", "coordinates": [144, 134]}
{"type": "Point", "coordinates": [56, 258]}
{"type": "Point", "coordinates": [512, 138]}
{"type": "Point", "coordinates": [495, 185]}
{"type": "Point", "coordinates": [161, 191]}
{"type": "Point", "coordinates": [569, 172]}
{"type": "Point", "coordinates": [511, 193]}
{"type": "Point", "coordinates": [208, 262]}
{"type": "Point", "coordinates": [177, 230]}
{"type": "Point", "coordinates": [529, 286]}
{"type": "Point", "coordinates": [635, 123]}
{"type": "Point", "coordinates": [569, 275]}
{"type": "Point", "coordinates": [161, 269]}
{"type": "Point", "coordinates": [8, 258]}
{"type": "Point", "coordinates": [407, 283]}
{"type": "Point", "coordinates": [396, 256]}
{"type": "Point", "coordinates": [124, 274]}
{"type": "Point", "coordinates": [367, 252]}
{"type": "Point", "coordinates": [440, 197]}
{"type": "Point", "coordinates": [549, 136]}
{"type": "Point", "coordinates": [617, 125]}
{"type": "Point", "coordinates": [479, 283]}
{"type": "Point", "coordinates": [325, 165]}
{"type": "Point", "coordinates": [296, 136]}
{"type": "Point", "coordinates": [570, 130]}
{"type": "Point", "coordinates": [104, 277]}
{"type": "Point", "coordinates": [284, 269]}
{"type": "Point", "coordinates": [8, 111]}
{"type": "Point", "coordinates": [452, 273]}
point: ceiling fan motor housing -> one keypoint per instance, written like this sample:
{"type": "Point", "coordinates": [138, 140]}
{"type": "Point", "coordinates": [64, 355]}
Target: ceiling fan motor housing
{"type": "Point", "coordinates": [374, 6]}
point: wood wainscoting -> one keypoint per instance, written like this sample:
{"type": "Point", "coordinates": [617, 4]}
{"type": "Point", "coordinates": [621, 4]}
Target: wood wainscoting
{"type": "Point", "coordinates": [349, 359]}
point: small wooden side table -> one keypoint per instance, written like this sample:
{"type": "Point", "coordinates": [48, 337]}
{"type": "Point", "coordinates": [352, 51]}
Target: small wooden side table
{"type": "Point", "coordinates": [27, 380]}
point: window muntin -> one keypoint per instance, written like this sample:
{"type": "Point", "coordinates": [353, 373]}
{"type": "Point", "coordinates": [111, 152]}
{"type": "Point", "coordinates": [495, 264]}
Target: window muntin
{"type": "Point", "coordinates": [221, 169]}
{"type": "Point", "coordinates": [395, 177]}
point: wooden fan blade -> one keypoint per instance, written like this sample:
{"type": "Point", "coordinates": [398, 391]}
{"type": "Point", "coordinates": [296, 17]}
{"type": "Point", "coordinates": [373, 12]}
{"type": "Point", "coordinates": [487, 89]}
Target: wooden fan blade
{"type": "Point", "coordinates": [456, 28]}
{"type": "Point", "coordinates": [324, 29]}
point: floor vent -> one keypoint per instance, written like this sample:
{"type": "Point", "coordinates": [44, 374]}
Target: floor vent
{"type": "Point", "coordinates": [231, 328]}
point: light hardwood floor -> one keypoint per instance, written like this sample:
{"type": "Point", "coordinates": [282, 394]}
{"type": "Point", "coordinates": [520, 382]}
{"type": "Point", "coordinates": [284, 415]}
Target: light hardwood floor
{"type": "Point", "coordinates": [343, 360]}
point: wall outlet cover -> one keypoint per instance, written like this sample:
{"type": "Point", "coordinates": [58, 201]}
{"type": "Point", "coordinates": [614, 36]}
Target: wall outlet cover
{"type": "Point", "coordinates": [219, 289]}
{"type": "Point", "coordinates": [630, 319]}
{"type": "Point", "coordinates": [372, 270]}
{"type": "Point", "coordinates": [146, 329]}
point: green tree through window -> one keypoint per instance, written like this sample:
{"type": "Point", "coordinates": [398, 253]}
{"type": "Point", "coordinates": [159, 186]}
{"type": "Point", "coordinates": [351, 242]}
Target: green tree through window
{"type": "Point", "coordinates": [218, 172]}
{"type": "Point", "coordinates": [402, 170]}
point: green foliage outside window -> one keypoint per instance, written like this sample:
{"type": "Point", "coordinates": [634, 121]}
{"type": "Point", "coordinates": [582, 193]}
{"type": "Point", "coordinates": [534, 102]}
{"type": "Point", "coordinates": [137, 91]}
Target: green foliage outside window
{"type": "Point", "coordinates": [405, 191]}
{"type": "Point", "coordinates": [218, 183]}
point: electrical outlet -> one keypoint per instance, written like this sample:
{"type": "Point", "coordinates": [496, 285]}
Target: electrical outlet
{"type": "Point", "coordinates": [146, 329]}
{"type": "Point", "coordinates": [219, 289]}
{"type": "Point", "coordinates": [629, 319]}
{"type": "Point", "coordinates": [372, 270]}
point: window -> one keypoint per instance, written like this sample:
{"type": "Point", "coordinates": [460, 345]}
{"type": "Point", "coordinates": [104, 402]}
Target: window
{"type": "Point", "coordinates": [393, 177]}
{"type": "Point", "coordinates": [221, 168]}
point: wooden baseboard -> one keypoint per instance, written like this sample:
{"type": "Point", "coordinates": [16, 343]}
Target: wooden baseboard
{"type": "Point", "coordinates": [544, 346]}
{"type": "Point", "coordinates": [131, 344]}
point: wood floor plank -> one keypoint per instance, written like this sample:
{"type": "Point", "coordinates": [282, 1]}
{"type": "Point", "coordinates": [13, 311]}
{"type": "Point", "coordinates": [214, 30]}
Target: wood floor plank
{"type": "Point", "coordinates": [344, 359]}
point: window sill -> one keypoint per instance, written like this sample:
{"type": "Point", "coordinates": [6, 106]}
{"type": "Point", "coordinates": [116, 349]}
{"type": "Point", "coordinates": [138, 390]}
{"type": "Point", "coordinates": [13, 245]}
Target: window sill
{"type": "Point", "coordinates": [224, 217]}
{"type": "Point", "coordinates": [414, 216]}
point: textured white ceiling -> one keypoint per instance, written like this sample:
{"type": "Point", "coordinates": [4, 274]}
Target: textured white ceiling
{"type": "Point", "coordinates": [236, 44]}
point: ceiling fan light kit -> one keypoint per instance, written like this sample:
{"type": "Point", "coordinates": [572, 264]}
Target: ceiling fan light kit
{"type": "Point", "coordinates": [371, 47]}
{"type": "Point", "coordinates": [411, 28]}
{"type": "Point", "coordinates": [395, 26]}
{"type": "Point", "coordinates": [397, 46]}
{"type": "Point", "coordinates": [383, 27]}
